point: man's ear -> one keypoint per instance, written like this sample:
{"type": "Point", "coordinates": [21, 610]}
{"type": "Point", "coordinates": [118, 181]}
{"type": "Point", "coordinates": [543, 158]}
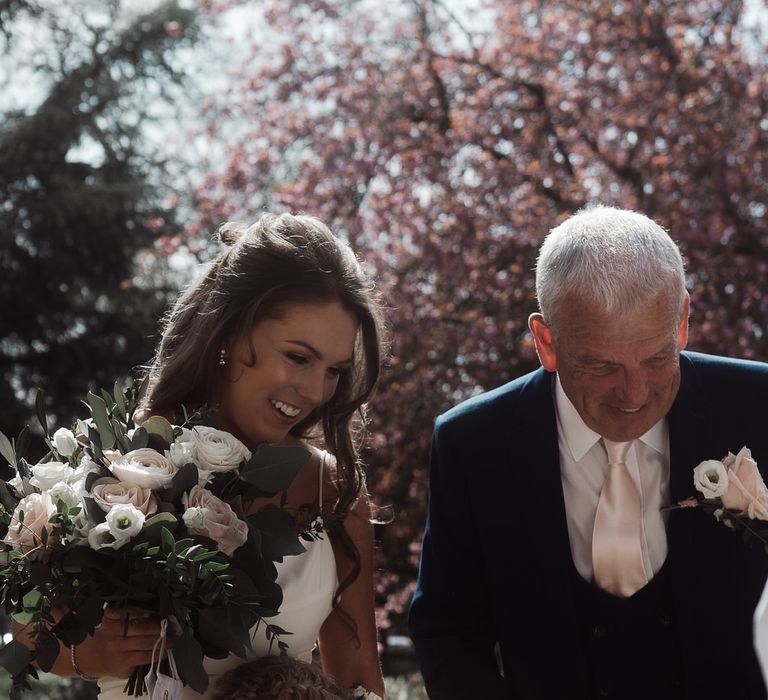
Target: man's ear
{"type": "Point", "coordinates": [544, 340]}
{"type": "Point", "coordinates": [682, 329]}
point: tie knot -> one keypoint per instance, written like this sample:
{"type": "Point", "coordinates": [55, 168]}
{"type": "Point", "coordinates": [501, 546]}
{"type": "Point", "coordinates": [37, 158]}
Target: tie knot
{"type": "Point", "coordinates": [617, 451]}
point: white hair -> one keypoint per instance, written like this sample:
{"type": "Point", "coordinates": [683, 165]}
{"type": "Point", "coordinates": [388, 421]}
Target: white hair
{"type": "Point", "coordinates": [617, 259]}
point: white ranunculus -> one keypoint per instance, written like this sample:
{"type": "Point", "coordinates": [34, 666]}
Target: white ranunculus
{"type": "Point", "coordinates": [144, 467]}
{"type": "Point", "coordinates": [64, 442]}
{"type": "Point", "coordinates": [194, 518]}
{"type": "Point", "coordinates": [180, 453]}
{"type": "Point", "coordinates": [711, 478]}
{"type": "Point", "coordinates": [65, 492]}
{"type": "Point", "coordinates": [218, 451]}
{"type": "Point", "coordinates": [45, 475]}
{"type": "Point", "coordinates": [100, 536]}
{"type": "Point", "coordinates": [125, 521]}
{"type": "Point", "coordinates": [108, 494]}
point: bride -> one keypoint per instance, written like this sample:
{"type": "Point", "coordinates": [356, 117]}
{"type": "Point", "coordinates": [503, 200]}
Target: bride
{"type": "Point", "coordinates": [283, 336]}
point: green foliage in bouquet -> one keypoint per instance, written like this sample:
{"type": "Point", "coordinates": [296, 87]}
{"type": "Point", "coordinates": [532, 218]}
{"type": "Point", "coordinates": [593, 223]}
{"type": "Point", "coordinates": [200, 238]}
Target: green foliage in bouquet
{"type": "Point", "coordinates": [150, 518]}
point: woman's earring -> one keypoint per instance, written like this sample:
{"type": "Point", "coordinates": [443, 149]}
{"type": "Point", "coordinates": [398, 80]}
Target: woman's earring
{"type": "Point", "coordinates": [223, 357]}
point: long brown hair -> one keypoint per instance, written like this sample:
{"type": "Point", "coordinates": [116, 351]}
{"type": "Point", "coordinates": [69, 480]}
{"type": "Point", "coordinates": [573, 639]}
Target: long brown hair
{"type": "Point", "coordinates": [277, 262]}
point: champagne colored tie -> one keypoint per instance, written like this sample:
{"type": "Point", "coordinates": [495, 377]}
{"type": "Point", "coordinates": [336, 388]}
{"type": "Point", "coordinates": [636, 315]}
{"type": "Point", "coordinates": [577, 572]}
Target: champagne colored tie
{"type": "Point", "coordinates": [617, 553]}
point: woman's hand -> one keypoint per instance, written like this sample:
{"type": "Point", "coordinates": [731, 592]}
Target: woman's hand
{"type": "Point", "coordinates": [113, 651]}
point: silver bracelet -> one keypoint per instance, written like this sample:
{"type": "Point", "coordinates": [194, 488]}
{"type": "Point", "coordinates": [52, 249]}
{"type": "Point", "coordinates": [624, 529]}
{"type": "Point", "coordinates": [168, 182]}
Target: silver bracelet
{"type": "Point", "coordinates": [77, 668]}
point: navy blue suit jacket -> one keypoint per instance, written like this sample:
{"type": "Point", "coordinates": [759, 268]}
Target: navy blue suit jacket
{"type": "Point", "coordinates": [496, 564]}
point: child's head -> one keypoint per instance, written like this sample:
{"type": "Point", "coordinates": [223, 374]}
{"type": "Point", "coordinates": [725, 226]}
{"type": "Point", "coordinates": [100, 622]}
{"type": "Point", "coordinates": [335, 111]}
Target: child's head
{"type": "Point", "coordinates": [278, 678]}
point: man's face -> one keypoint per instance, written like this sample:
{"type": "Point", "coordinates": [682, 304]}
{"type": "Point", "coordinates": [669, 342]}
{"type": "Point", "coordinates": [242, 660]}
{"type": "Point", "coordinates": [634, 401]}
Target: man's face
{"type": "Point", "coordinates": [621, 372]}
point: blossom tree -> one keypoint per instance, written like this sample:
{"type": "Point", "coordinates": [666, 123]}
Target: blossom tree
{"type": "Point", "coordinates": [445, 139]}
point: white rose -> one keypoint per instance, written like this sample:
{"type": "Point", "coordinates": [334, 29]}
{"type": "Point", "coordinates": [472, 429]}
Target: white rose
{"type": "Point", "coordinates": [64, 442]}
{"type": "Point", "coordinates": [711, 478]}
{"type": "Point", "coordinates": [194, 518]}
{"type": "Point", "coordinates": [37, 508]}
{"type": "Point", "coordinates": [107, 495]}
{"type": "Point", "coordinates": [101, 536]}
{"type": "Point", "coordinates": [65, 492]}
{"type": "Point", "coordinates": [46, 475]}
{"type": "Point", "coordinates": [220, 522]}
{"type": "Point", "coordinates": [217, 450]}
{"type": "Point", "coordinates": [125, 521]}
{"type": "Point", "coordinates": [144, 467]}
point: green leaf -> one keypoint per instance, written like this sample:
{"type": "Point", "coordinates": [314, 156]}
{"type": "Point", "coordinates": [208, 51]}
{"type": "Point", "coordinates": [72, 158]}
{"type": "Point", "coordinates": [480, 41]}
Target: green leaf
{"type": "Point", "coordinates": [15, 657]}
{"type": "Point", "coordinates": [140, 439]}
{"type": "Point", "coordinates": [100, 416]}
{"type": "Point", "coordinates": [47, 649]}
{"type": "Point", "coordinates": [189, 660]}
{"type": "Point", "coordinates": [40, 411]}
{"type": "Point", "coordinates": [216, 566]}
{"type": "Point", "coordinates": [278, 534]}
{"type": "Point", "coordinates": [157, 425]}
{"type": "Point", "coordinates": [183, 481]}
{"type": "Point", "coordinates": [6, 450]}
{"type": "Point", "coordinates": [167, 540]}
{"type": "Point", "coordinates": [120, 404]}
{"type": "Point", "coordinates": [273, 469]}
{"type": "Point", "coordinates": [22, 441]}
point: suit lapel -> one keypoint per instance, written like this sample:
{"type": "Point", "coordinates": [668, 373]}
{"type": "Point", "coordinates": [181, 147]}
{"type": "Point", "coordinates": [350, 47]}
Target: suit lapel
{"type": "Point", "coordinates": [544, 510]}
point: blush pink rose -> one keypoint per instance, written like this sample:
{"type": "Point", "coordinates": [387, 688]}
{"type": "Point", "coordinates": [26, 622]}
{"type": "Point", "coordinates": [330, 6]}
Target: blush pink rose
{"type": "Point", "coordinates": [108, 494]}
{"type": "Point", "coordinates": [219, 521]}
{"type": "Point", "coordinates": [37, 508]}
{"type": "Point", "coordinates": [746, 492]}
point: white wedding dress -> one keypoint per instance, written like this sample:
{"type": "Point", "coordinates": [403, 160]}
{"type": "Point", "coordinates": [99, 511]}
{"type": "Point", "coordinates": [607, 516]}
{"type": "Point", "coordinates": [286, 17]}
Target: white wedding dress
{"type": "Point", "coordinates": [308, 581]}
{"type": "Point", "coordinates": [761, 632]}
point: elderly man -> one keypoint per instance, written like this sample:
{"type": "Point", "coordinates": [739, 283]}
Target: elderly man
{"type": "Point", "coordinates": [551, 568]}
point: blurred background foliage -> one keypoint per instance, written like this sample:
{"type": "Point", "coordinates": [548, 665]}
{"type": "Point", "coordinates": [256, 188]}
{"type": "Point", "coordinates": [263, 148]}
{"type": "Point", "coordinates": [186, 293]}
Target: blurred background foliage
{"type": "Point", "coordinates": [443, 138]}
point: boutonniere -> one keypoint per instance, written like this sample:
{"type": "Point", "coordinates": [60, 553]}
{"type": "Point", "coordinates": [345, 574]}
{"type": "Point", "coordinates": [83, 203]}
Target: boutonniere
{"type": "Point", "coordinates": [733, 491]}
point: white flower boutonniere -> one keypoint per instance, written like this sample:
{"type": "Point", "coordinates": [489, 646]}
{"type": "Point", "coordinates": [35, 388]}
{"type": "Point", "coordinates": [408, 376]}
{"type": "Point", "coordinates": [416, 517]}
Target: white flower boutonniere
{"type": "Point", "coordinates": [733, 491]}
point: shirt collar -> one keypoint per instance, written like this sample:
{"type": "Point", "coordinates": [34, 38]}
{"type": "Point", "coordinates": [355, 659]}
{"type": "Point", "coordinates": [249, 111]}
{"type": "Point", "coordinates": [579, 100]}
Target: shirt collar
{"type": "Point", "coordinates": [580, 438]}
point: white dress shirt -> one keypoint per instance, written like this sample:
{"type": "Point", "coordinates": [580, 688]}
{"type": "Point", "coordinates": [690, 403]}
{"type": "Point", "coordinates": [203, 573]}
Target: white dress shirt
{"type": "Point", "coordinates": [583, 470]}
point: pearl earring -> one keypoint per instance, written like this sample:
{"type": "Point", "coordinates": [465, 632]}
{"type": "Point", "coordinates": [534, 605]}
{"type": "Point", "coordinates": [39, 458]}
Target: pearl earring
{"type": "Point", "coordinates": [222, 357]}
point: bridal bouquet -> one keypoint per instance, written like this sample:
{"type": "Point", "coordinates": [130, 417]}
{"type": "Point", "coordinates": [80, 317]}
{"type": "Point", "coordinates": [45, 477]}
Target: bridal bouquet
{"type": "Point", "coordinates": [733, 491]}
{"type": "Point", "coordinates": [149, 518]}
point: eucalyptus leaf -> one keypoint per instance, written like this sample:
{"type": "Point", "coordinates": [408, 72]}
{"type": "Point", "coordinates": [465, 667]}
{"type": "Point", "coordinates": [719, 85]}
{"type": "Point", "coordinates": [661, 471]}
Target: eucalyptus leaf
{"type": "Point", "coordinates": [273, 469]}
{"type": "Point", "coordinates": [100, 416]}
{"type": "Point", "coordinates": [40, 411]}
{"type": "Point", "coordinates": [120, 403]}
{"type": "Point", "coordinates": [157, 425]}
{"type": "Point", "coordinates": [22, 441]}
{"type": "Point", "coordinates": [140, 438]}
{"type": "Point", "coordinates": [6, 450]}
{"type": "Point", "coordinates": [6, 499]}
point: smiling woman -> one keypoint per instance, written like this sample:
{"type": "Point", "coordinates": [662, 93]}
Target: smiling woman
{"type": "Point", "coordinates": [283, 337]}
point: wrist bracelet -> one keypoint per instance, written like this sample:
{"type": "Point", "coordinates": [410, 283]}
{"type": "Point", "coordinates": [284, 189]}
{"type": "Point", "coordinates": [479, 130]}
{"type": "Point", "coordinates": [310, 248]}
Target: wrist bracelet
{"type": "Point", "coordinates": [77, 668]}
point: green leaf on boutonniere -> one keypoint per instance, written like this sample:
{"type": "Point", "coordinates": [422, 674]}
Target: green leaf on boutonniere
{"type": "Point", "coordinates": [278, 534]}
{"type": "Point", "coordinates": [100, 416]}
{"type": "Point", "coordinates": [273, 469]}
